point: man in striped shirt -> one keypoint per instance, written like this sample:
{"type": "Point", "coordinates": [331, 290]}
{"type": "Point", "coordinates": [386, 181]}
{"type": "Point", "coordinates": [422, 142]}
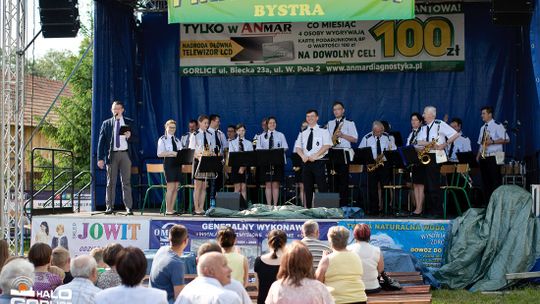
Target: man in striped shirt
{"type": "Point", "coordinates": [310, 231]}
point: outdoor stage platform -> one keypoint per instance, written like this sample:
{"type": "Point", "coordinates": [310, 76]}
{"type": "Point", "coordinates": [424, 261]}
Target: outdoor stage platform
{"type": "Point", "coordinates": [81, 232]}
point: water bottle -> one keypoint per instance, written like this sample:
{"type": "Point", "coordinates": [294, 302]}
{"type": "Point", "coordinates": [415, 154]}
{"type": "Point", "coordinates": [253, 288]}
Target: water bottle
{"type": "Point", "coordinates": [212, 203]}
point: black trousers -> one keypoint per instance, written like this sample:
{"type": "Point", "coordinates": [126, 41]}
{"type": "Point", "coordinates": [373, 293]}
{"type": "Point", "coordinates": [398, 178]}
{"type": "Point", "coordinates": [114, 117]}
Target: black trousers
{"type": "Point", "coordinates": [381, 176]}
{"type": "Point", "coordinates": [339, 182]}
{"type": "Point", "coordinates": [314, 172]}
{"type": "Point", "coordinates": [491, 176]}
{"type": "Point", "coordinates": [432, 188]}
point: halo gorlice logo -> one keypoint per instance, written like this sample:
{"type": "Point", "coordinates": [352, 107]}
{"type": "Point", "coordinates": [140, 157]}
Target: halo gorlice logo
{"type": "Point", "coordinates": [22, 293]}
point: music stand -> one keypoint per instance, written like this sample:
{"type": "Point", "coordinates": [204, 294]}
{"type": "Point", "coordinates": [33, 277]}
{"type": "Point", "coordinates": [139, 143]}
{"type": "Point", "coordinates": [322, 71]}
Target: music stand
{"type": "Point", "coordinates": [242, 159]}
{"type": "Point", "coordinates": [467, 158]}
{"type": "Point", "coordinates": [394, 160]}
{"type": "Point", "coordinates": [185, 156]}
{"type": "Point", "coordinates": [210, 164]}
{"type": "Point", "coordinates": [296, 160]}
{"type": "Point", "coordinates": [336, 157]}
{"type": "Point", "coordinates": [270, 158]}
{"type": "Point", "coordinates": [364, 156]}
{"type": "Point", "coordinates": [409, 155]}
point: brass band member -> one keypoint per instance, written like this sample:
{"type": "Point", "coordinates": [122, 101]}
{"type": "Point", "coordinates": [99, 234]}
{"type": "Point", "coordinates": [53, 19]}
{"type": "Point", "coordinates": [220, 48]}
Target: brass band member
{"type": "Point", "coordinates": [312, 146]}
{"type": "Point", "coordinates": [378, 141]}
{"type": "Point", "coordinates": [238, 174]}
{"type": "Point", "coordinates": [461, 144]}
{"type": "Point", "coordinates": [273, 175]}
{"type": "Point", "coordinates": [434, 134]}
{"type": "Point", "coordinates": [418, 178]}
{"type": "Point", "coordinates": [193, 125]}
{"type": "Point", "coordinates": [491, 139]}
{"type": "Point", "coordinates": [202, 142]}
{"type": "Point", "coordinates": [221, 146]}
{"type": "Point", "coordinates": [344, 132]}
{"type": "Point", "coordinates": [168, 145]}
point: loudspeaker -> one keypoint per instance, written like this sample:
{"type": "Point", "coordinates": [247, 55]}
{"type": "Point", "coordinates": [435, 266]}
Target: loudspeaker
{"type": "Point", "coordinates": [229, 200]}
{"type": "Point", "coordinates": [328, 200]}
{"type": "Point", "coordinates": [59, 18]}
{"type": "Point", "coordinates": [514, 12]}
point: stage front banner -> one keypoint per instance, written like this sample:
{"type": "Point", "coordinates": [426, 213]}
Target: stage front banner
{"type": "Point", "coordinates": [251, 234]}
{"type": "Point", "coordinates": [433, 41]}
{"type": "Point", "coordinates": [426, 240]}
{"type": "Point", "coordinates": [212, 11]}
{"type": "Point", "coordinates": [81, 235]}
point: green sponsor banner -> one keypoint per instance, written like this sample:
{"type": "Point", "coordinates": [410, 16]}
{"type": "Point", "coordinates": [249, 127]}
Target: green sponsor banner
{"type": "Point", "coordinates": [433, 41]}
{"type": "Point", "coordinates": [230, 11]}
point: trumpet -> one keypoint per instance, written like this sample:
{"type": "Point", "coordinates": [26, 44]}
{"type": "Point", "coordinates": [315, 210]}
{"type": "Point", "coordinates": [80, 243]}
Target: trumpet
{"type": "Point", "coordinates": [485, 144]}
{"type": "Point", "coordinates": [335, 138]}
{"type": "Point", "coordinates": [379, 162]}
{"type": "Point", "coordinates": [423, 155]}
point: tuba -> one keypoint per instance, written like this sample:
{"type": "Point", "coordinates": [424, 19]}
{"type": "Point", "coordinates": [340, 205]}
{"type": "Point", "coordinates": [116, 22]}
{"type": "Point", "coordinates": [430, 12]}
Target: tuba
{"type": "Point", "coordinates": [423, 155]}
{"type": "Point", "coordinates": [205, 175]}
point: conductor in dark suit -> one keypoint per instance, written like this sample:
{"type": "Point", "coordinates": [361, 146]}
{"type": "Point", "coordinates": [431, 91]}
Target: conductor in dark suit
{"type": "Point", "coordinates": [114, 151]}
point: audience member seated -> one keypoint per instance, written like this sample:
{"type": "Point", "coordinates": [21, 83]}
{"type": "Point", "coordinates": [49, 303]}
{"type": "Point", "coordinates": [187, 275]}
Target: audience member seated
{"type": "Point", "coordinates": [226, 238]}
{"type": "Point", "coordinates": [61, 259]}
{"type": "Point", "coordinates": [296, 283]}
{"type": "Point", "coordinates": [82, 288]}
{"type": "Point", "coordinates": [342, 270]}
{"type": "Point", "coordinates": [267, 265]}
{"type": "Point", "coordinates": [311, 234]}
{"type": "Point", "coordinates": [212, 274]}
{"type": "Point", "coordinates": [97, 254]}
{"type": "Point", "coordinates": [168, 268]}
{"type": "Point", "coordinates": [235, 285]}
{"type": "Point", "coordinates": [110, 278]}
{"type": "Point", "coordinates": [13, 270]}
{"type": "Point", "coordinates": [40, 256]}
{"type": "Point", "coordinates": [372, 260]}
{"type": "Point", "coordinates": [131, 267]}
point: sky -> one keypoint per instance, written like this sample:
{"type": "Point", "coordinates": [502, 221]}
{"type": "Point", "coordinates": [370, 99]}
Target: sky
{"type": "Point", "coordinates": [42, 45]}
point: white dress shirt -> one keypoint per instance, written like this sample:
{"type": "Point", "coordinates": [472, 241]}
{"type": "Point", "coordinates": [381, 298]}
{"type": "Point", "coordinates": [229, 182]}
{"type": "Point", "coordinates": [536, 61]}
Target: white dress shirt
{"type": "Point", "coordinates": [279, 140]}
{"type": "Point", "coordinates": [196, 141]}
{"type": "Point", "coordinates": [82, 291]}
{"type": "Point", "coordinates": [185, 139]}
{"type": "Point", "coordinates": [321, 138]}
{"type": "Point", "coordinates": [413, 137]}
{"type": "Point", "coordinates": [239, 289]}
{"type": "Point", "coordinates": [496, 131]}
{"type": "Point", "coordinates": [436, 129]}
{"type": "Point", "coordinates": [370, 140]}
{"type": "Point", "coordinates": [204, 290]}
{"type": "Point", "coordinates": [348, 128]}
{"type": "Point", "coordinates": [461, 144]}
{"type": "Point", "coordinates": [131, 295]}
{"type": "Point", "coordinates": [123, 140]}
{"type": "Point", "coordinates": [234, 145]}
{"type": "Point", "coordinates": [222, 138]}
{"type": "Point", "coordinates": [165, 145]}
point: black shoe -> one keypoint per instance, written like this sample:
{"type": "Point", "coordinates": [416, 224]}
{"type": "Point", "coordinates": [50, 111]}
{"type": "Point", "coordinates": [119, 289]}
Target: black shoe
{"type": "Point", "coordinates": [173, 213]}
{"type": "Point", "coordinates": [129, 211]}
{"type": "Point", "coordinates": [109, 211]}
{"type": "Point", "coordinates": [416, 214]}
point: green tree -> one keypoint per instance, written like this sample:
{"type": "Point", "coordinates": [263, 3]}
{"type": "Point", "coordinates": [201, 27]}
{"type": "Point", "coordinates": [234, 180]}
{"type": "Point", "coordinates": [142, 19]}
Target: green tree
{"type": "Point", "coordinates": [72, 130]}
{"type": "Point", "coordinates": [51, 65]}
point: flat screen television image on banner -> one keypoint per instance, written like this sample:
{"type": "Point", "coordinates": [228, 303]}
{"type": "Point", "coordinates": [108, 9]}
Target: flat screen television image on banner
{"type": "Point", "coordinates": [278, 51]}
{"type": "Point", "coordinates": [252, 48]}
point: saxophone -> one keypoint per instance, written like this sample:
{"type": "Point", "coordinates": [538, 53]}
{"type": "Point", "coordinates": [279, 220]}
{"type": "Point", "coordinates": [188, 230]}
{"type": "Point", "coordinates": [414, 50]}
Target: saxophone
{"type": "Point", "coordinates": [379, 162]}
{"type": "Point", "coordinates": [205, 175]}
{"type": "Point", "coordinates": [423, 155]}
{"type": "Point", "coordinates": [335, 139]}
{"type": "Point", "coordinates": [485, 144]}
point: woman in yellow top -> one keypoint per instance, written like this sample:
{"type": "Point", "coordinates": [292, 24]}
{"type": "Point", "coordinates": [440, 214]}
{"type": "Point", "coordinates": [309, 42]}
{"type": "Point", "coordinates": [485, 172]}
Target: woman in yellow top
{"type": "Point", "coordinates": [342, 269]}
{"type": "Point", "coordinates": [226, 238]}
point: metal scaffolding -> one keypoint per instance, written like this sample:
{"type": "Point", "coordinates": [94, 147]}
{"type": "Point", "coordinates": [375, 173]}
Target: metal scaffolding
{"type": "Point", "coordinates": [12, 33]}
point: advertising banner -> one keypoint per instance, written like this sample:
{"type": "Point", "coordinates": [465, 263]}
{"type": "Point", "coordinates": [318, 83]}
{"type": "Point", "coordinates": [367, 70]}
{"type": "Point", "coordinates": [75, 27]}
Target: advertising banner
{"type": "Point", "coordinates": [81, 235]}
{"type": "Point", "coordinates": [433, 41]}
{"type": "Point", "coordinates": [426, 240]}
{"type": "Point", "coordinates": [251, 234]}
{"type": "Point", "coordinates": [212, 11]}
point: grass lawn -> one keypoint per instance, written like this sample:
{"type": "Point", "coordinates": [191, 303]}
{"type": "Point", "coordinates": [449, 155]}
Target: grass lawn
{"type": "Point", "coordinates": [530, 294]}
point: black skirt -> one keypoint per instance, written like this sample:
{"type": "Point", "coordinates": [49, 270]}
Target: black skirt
{"type": "Point", "coordinates": [418, 175]}
{"type": "Point", "coordinates": [236, 177]}
{"type": "Point", "coordinates": [269, 175]}
{"type": "Point", "coordinates": [173, 169]}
